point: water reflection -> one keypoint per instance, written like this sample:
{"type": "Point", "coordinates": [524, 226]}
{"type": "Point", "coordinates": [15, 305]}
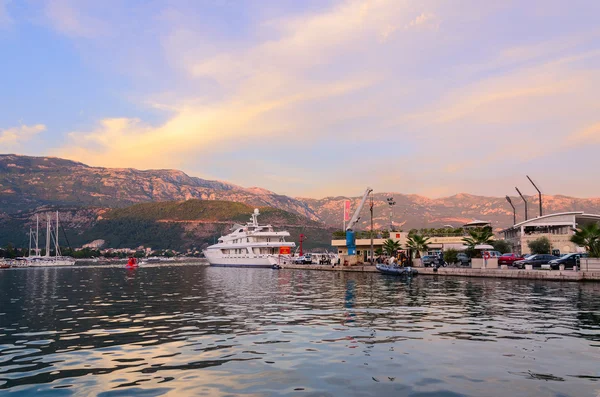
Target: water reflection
{"type": "Point", "coordinates": [191, 330]}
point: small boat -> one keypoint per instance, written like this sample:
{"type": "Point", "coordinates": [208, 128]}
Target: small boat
{"type": "Point", "coordinates": [393, 270]}
{"type": "Point", "coordinates": [132, 262]}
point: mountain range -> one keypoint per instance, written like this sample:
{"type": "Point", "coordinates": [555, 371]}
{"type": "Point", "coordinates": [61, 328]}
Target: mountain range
{"type": "Point", "coordinates": [33, 184]}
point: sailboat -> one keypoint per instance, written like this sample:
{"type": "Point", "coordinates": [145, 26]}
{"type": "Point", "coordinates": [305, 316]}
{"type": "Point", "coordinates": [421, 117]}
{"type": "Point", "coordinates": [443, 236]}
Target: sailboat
{"type": "Point", "coordinates": [51, 236]}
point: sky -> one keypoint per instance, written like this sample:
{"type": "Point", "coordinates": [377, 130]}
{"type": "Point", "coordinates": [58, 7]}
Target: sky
{"type": "Point", "coordinates": [312, 98]}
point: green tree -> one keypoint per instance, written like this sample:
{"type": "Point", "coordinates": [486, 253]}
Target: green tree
{"type": "Point", "coordinates": [10, 251]}
{"type": "Point", "coordinates": [588, 236]}
{"type": "Point", "coordinates": [339, 235]}
{"type": "Point", "coordinates": [539, 246]}
{"type": "Point", "coordinates": [451, 255]}
{"type": "Point", "coordinates": [417, 243]}
{"type": "Point", "coordinates": [378, 251]}
{"type": "Point", "coordinates": [479, 236]}
{"type": "Point", "coordinates": [391, 247]}
{"type": "Point", "coordinates": [502, 246]}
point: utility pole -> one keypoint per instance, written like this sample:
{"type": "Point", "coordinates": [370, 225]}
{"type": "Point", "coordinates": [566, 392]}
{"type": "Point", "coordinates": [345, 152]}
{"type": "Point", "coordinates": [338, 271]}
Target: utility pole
{"type": "Point", "coordinates": [372, 253]}
{"type": "Point", "coordinates": [391, 203]}
{"type": "Point", "coordinates": [539, 192]}
{"type": "Point", "coordinates": [514, 210]}
{"type": "Point", "coordinates": [525, 201]}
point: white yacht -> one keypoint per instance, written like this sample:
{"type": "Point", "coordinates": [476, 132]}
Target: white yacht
{"type": "Point", "coordinates": [249, 246]}
{"type": "Point", "coordinates": [36, 259]}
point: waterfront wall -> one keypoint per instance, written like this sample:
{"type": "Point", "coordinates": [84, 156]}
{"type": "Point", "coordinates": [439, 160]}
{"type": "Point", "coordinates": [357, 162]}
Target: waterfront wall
{"type": "Point", "coordinates": [557, 275]}
{"type": "Point", "coordinates": [560, 275]}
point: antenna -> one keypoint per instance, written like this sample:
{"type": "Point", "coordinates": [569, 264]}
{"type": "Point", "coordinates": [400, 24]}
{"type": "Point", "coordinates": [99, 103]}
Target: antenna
{"type": "Point", "coordinates": [514, 210]}
{"type": "Point", "coordinates": [525, 201]}
{"type": "Point", "coordinates": [539, 192]}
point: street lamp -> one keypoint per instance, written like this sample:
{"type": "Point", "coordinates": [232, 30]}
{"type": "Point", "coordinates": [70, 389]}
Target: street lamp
{"type": "Point", "coordinates": [391, 203]}
{"type": "Point", "coordinates": [539, 192]}
{"type": "Point", "coordinates": [525, 201]}
{"type": "Point", "coordinates": [514, 211]}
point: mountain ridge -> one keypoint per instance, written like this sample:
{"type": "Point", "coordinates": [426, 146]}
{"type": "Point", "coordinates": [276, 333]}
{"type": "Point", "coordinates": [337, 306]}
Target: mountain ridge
{"type": "Point", "coordinates": [28, 182]}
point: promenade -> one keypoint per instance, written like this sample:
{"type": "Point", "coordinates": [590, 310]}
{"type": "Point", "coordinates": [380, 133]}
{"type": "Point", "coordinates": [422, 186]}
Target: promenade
{"type": "Point", "coordinates": [557, 275]}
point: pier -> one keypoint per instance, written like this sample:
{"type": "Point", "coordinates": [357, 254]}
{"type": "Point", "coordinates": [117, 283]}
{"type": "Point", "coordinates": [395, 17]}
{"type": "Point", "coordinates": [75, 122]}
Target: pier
{"type": "Point", "coordinates": [557, 275]}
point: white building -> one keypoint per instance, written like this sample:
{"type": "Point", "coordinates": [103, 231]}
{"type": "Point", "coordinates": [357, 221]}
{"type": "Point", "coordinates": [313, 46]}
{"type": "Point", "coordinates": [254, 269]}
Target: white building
{"type": "Point", "coordinates": [558, 228]}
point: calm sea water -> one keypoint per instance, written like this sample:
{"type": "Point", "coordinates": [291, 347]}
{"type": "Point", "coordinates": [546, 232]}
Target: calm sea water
{"type": "Point", "coordinates": [197, 331]}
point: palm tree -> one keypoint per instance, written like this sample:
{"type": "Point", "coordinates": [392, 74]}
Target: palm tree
{"type": "Point", "coordinates": [418, 244]}
{"type": "Point", "coordinates": [479, 236]}
{"type": "Point", "coordinates": [589, 237]}
{"type": "Point", "coordinates": [391, 247]}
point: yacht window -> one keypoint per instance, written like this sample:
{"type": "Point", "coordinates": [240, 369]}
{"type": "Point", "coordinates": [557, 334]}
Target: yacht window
{"type": "Point", "coordinates": [247, 240]}
{"type": "Point", "coordinates": [239, 231]}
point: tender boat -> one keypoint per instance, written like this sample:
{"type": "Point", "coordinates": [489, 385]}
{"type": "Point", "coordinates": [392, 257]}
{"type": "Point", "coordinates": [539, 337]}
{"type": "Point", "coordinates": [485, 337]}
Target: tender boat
{"type": "Point", "coordinates": [251, 245]}
{"type": "Point", "coordinates": [394, 270]}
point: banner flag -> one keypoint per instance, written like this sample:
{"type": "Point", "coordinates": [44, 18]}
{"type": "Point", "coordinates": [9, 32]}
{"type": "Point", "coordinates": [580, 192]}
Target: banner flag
{"type": "Point", "coordinates": [347, 210]}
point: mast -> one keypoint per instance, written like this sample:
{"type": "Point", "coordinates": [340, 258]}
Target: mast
{"type": "Point", "coordinates": [48, 236]}
{"type": "Point", "coordinates": [57, 250]}
{"type": "Point", "coordinates": [37, 234]}
{"type": "Point", "coordinates": [30, 233]}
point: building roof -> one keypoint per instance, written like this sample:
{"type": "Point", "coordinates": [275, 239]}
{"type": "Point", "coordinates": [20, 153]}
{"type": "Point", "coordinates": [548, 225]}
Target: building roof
{"type": "Point", "coordinates": [476, 222]}
{"type": "Point", "coordinates": [576, 214]}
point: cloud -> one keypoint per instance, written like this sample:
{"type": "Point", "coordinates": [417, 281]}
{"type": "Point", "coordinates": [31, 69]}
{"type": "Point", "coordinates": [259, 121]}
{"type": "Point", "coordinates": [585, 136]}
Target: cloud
{"type": "Point", "coordinates": [425, 18]}
{"type": "Point", "coordinates": [191, 129]}
{"type": "Point", "coordinates": [5, 19]}
{"type": "Point", "coordinates": [586, 136]}
{"type": "Point", "coordinates": [427, 84]}
{"type": "Point", "coordinates": [16, 136]}
{"type": "Point", "coordinates": [68, 17]}
{"type": "Point", "coordinates": [263, 90]}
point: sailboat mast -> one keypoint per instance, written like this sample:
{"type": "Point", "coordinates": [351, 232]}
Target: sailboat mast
{"type": "Point", "coordinates": [58, 253]}
{"type": "Point", "coordinates": [48, 236]}
{"type": "Point", "coordinates": [37, 234]}
{"type": "Point", "coordinates": [30, 232]}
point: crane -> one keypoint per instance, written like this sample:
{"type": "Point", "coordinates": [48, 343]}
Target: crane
{"type": "Point", "coordinates": [350, 234]}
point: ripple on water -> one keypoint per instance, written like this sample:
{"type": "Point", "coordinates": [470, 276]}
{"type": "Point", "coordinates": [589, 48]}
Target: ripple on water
{"type": "Point", "coordinates": [192, 330]}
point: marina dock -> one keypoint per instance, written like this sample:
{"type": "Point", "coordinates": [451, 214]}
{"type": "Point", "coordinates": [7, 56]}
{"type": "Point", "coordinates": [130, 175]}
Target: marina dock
{"type": "Point", "coordinates": [557, 275]}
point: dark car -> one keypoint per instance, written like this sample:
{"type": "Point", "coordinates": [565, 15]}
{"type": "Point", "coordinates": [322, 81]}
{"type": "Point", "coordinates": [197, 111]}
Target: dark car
{"type": "Point", "coordinates": [427, 260]}
{"type": "Point", "coordinates": [509, 259]}
{"type": "Point", "coordinates": [463, 259]}
{"type": "Point", "coordinates": [535, 261]}
{"type": "Point", "coordinates": [568, 260]}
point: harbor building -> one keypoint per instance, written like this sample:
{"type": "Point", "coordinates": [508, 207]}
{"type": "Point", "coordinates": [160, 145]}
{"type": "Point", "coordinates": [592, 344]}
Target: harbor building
{"type": "Point", "coordinates": [558, 228]}
{"type": "Point", "coordinates": [437, 242]}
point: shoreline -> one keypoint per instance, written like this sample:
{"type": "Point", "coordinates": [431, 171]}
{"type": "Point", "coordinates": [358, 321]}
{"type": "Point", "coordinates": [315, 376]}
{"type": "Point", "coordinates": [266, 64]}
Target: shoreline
{"type": "Point", "coordinates": [554, 275]}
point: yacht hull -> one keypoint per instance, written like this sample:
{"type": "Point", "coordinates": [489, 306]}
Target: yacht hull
{"type": "Point", "coordinates": [52, 263]}
{"type": "Point", "coordinates": [214, 259]}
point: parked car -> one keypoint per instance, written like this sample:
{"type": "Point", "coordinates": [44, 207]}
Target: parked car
{"type": "Point", "coordinates": [509, 259]}
{"type": "Point", "coordinates": [535, 261]}
{"type": "Point", "coordinates": [428, 260]}
{"type": "Point", "coordinates": [494, 254]}
{"type": "Point", "coordinates": [569, 260]}
{"type": "Point", "coordinates": [463, 259]}
{"type": "Point", "coordinates": [304, 259]}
